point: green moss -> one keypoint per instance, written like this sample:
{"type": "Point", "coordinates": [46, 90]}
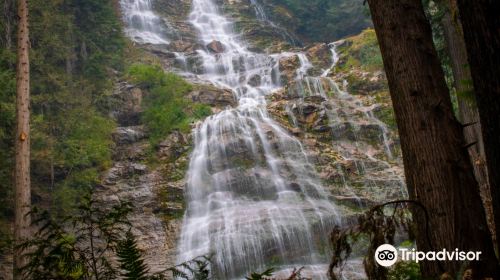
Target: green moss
{"type": "Point", "coordinates": [386, 115]}
{"type": "Point", "coordinates": [361, 51]}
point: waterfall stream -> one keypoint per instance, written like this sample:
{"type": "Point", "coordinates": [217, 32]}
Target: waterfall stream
{"type": "Point", "coordinates": [254, 199]}
{"type": "Point", "coordinates": [144, 26]}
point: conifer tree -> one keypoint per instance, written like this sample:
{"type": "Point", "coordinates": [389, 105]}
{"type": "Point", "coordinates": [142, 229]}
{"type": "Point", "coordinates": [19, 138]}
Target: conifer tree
{"type": "Point", "coordinates": [131, 262]}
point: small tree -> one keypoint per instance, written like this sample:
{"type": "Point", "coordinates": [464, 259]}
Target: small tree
{"type": "Point", "coordinates": [79, 245]}
{"type": "Point", "coordinates": [131, 262]}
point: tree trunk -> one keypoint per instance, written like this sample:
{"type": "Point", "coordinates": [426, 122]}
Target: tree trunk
{"type": "Point", "coordinates": [467, 109]}
{"type": "Point", "coordinates": [481, 24]}
{"type": "Point", "coordinates": [437, 167]}
{"type": "Point", "coordinates": [22, 141]}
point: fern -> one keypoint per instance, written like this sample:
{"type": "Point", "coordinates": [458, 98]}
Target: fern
{"type": "Point", "coordinates": [131, 262]}
{"type": "Point", "coordinates": [261, 276]}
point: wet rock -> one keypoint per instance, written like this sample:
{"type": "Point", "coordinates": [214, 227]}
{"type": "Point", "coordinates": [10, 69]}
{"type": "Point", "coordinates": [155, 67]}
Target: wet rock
{"type": "Point", "coordinates": [216, 47]}
{"type": "Point", "coordinates": [128, 135]}
{"type": "Point", "coordinates": [319, 51]}
{"type": "Point", "coordinates": [214, 97]}
{"type": "Point", "coordinates": [255, 80]}
{"type": "Point", "coordinates": [173, 146]}
{"type": "Point", "coordinates": [126, 101]}
{"type": "Point", "coordinates": [183, 46]}
{"type": "Point", "coordinates": [288, 68]}
{"type": "Point", "coordinates": [316, 99]}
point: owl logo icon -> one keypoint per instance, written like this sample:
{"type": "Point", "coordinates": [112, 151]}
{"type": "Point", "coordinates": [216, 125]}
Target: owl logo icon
{"type": "Point", "coordinates": [386, 255]}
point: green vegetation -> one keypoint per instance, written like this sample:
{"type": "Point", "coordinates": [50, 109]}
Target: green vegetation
{"type": "Point", "coordinates": [76, 51]}
{"type": "Point", "coordinates": [361, 51]}
{"type": "Point", "coordinates": [322, 20]}
{"type": "Point", "coordinates": [165, 105]}
{"type": "Point", "coordinates": [67, 248]}
{"type": "Point", "coordinates": [405, 271]}
{"type": "Point", "coordinates": [130, 259]}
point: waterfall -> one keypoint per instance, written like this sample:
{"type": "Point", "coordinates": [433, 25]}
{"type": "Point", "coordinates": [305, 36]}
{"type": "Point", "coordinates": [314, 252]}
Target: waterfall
{"type": "Point", "coordinates": [254, 200]}
{"type": "Point", "coordinates": [253, 197]}
{"type": "Point", "coordinates": [143, 25]}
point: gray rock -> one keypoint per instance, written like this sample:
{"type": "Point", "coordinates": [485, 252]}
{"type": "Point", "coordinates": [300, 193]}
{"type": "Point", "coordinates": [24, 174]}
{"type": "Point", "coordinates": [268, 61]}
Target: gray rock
{"type": "Point", "coordinates": [216, 47]}
{"type": "Point", "coordinates": [214, 97]}
{"type": "Point", "coordinates": [128, 135]}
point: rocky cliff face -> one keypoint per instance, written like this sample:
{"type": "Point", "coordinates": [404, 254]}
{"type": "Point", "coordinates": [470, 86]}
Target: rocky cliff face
{"type": "Point", "coordinates": [151, 178]}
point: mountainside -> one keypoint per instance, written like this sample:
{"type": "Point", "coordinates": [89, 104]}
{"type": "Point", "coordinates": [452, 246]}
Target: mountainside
{"type": "Point", "coordinates": [332, 100]}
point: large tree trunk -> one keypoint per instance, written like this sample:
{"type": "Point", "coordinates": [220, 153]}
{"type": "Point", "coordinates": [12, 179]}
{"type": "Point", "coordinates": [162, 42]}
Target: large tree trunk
{"type": "Point", "coordinates": [481, 24]}
{"type": "Point", "coordinates": [467, 109]}
{"type": "Point", "coordinates": [22, 141]}
{"type": "Point", "coordinates": [437, 167]}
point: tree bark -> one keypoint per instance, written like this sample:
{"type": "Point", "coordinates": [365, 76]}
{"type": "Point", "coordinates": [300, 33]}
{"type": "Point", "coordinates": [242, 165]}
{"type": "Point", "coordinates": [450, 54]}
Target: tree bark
{"type": "Point", "coordinates": [22, 141]}
{"type": "Point", "coordinates": [437, 167]}
{"type": "Point", "coordinates": [481, 24]}
{"type": "Point", "coordinates": [467, 109]}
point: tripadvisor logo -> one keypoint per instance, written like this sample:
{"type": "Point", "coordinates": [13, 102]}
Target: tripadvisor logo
{"type": "Point", "coordinates": [387, 255]}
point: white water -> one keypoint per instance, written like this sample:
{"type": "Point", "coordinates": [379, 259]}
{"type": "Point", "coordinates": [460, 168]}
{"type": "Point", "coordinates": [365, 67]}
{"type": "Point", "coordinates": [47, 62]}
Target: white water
{"type": "Point", "coordinates": [143, 25]}
{"type": "Point", "coordinates": [348, 112]}
{"type": "Point", "coordinates": [253, 197]}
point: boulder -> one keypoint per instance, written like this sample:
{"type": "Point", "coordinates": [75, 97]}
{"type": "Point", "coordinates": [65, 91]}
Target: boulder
{"type": "Point", "coordinates": [214, 97]}
{"type": "Point", "coordinates": [320, 55]}
{"type": "Point", "coordinates": [128, 135]}
{"type": "Point", "coordinates": [173, 145]}
{"type": "Point", "coordinates": [255, 80]}
{"type": "Point", "coordinates": [216, 47]}
{"type": "Point", "coordinates": [288, 68]}
{"type": "Point", "coordinates": [183, 46]}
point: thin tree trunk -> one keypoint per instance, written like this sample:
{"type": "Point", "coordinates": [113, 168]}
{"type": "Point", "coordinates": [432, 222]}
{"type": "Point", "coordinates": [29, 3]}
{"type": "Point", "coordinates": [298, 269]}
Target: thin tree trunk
{"type": "Point", "coordinates": [481, 24]}
{"type": "Point", "coordinates": [22, 141]}
{"type": "Point", "coordinates": [437, 167]}
{"type": "Point", "coordinates": [467, 110]}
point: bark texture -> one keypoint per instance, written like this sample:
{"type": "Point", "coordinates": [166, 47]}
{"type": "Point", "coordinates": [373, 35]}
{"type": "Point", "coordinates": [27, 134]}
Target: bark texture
{"type": "Point", "coordinates": [467, 109]}
{"type": "Point", "coordinates": [437, 166]}
{"type": "Point", "coordinates": [481, 24]}
{"type": "Point", "coordinates": [22, 141]}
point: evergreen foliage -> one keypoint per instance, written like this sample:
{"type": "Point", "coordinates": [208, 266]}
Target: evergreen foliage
{"type": "Point", "coordinates": [76, 246]}
{"type": "Point", "coordinates": [323, 20]}
{"type": "Point", "coordinates": [76, 50]}
{"type": "Point", "coordinates": [131, 262]}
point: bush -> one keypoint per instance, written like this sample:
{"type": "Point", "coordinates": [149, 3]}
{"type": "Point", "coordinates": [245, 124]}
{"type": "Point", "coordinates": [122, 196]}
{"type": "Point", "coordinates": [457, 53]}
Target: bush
{"type": "Point", "coordinates": [405, 271]}
{"type": "Point", "coordinates": [165, 105]}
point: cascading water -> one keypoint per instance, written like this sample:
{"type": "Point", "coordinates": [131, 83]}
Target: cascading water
{"type": "Point", "coordinates": [347, 112]}
{"type": "Point", "coordinates": [253, 197]}
{"type": "Point", "coordinates": [143, 25]}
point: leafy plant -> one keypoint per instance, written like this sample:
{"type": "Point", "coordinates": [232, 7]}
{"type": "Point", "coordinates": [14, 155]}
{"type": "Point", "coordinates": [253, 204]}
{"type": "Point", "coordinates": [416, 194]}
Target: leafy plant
{"type": "Point", "coordinates": [380, 229]}
{"type": "Point", "coordinates": [166, 107]}
{"type": "Point", "coordinates": [195, 269]}
{"type": "Point", "coordinates": [78, 245]}
{"type": "Point", "coordinates": [259, 276]}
